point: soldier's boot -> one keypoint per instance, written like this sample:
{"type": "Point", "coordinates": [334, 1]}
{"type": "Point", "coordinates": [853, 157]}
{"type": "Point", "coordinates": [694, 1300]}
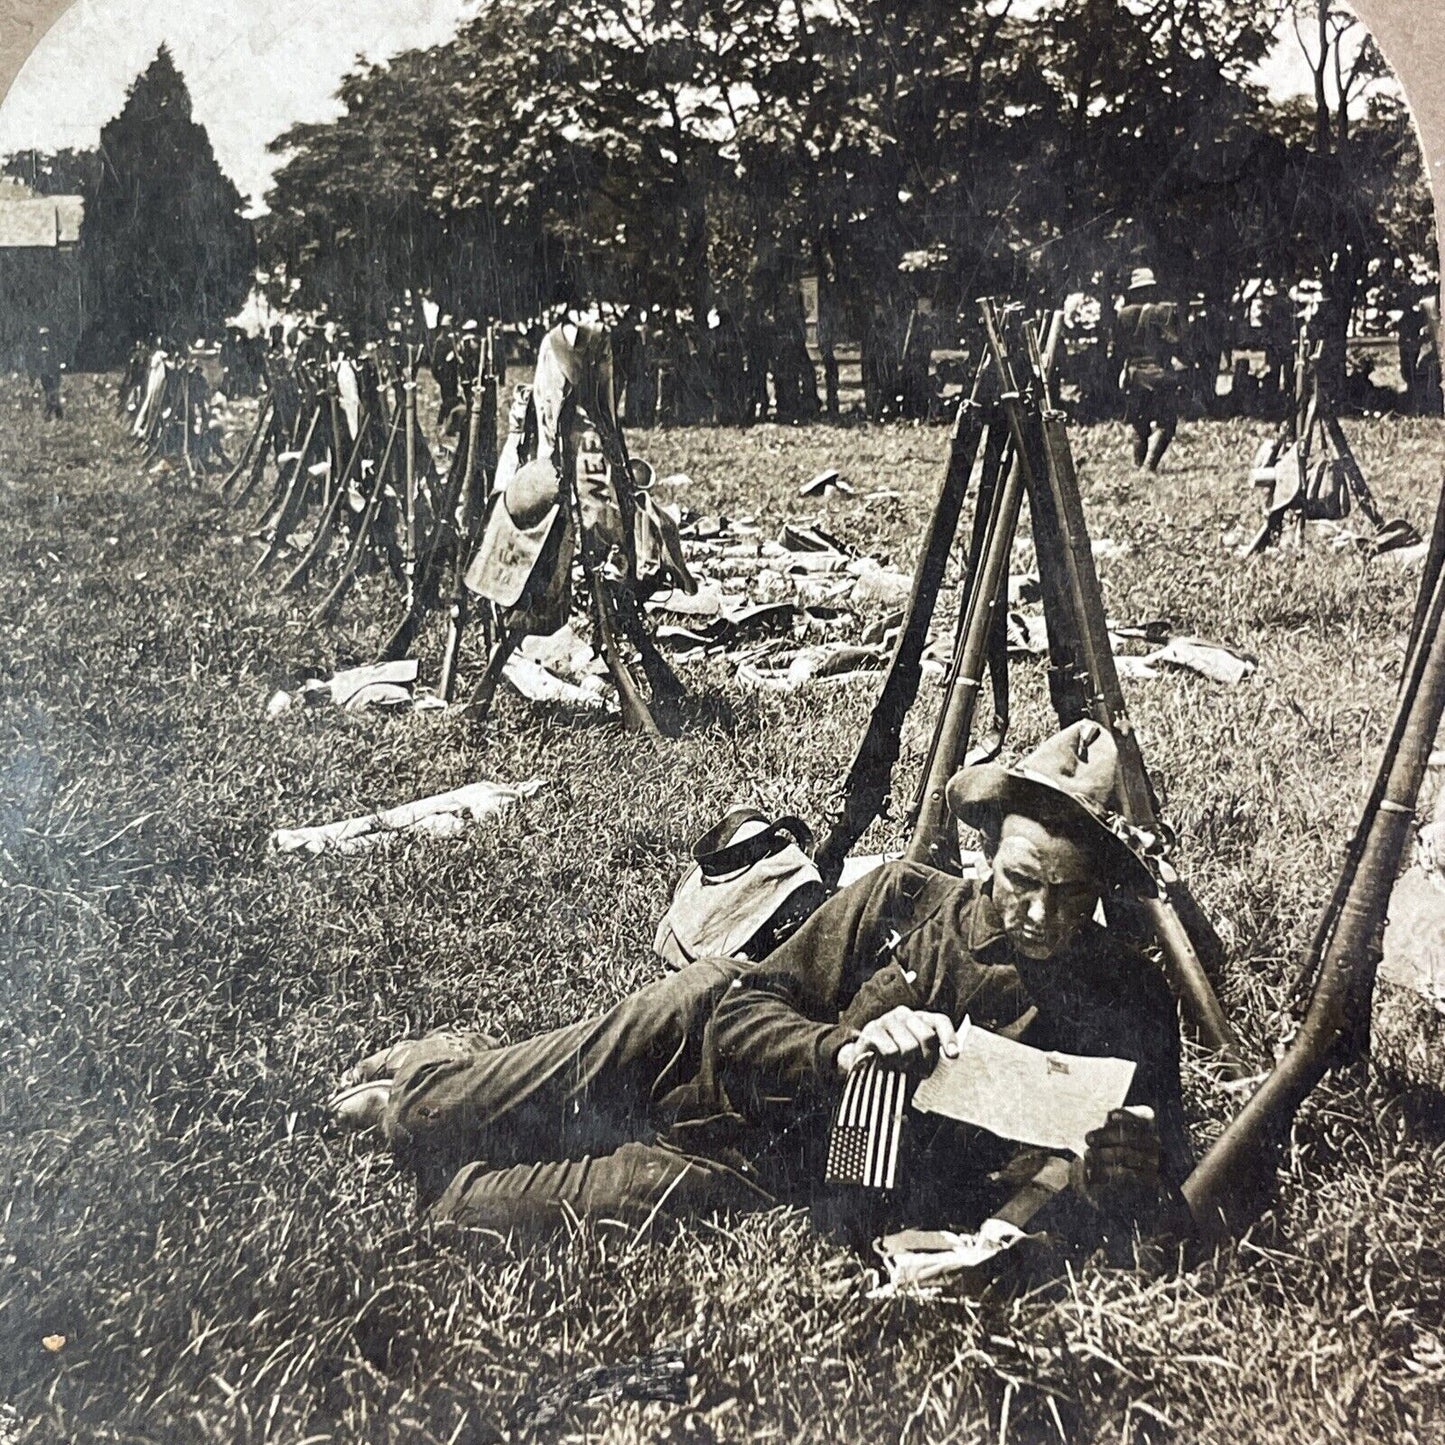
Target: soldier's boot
{"type": "Point", "coordinates": [1158, 443]}
{"type": "Point", "coordinates": [1141, 448]}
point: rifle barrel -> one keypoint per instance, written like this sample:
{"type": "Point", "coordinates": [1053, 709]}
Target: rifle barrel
{"type": "Point", "coordinates": [935, 835]}
{"type": "Point", "coordinates": [409, 384]}
{"type": "Point", "coordinates": [484, 390]}
{"type": "Point", "coordinates": [866, 785]}
{"type": "Point", "coordinates": [1250, 1147]}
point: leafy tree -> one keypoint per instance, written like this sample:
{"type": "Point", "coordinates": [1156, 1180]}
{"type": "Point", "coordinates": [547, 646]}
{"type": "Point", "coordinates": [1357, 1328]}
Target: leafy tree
{"type": "Point", "coordinates": [360, 210]}
{"type": "Point", "coordinates": [55, 173]}
{"type": "Point", "coordinates": [1132, 129]}
{"type": "Point", "coordinates": [692, 154]}
{"type": "Point", "coordinates": [1337, 170]}
{"type": "Point", "coordinates": [165, 246]}
{"type": "Point", "coordinates": [598, 125]}
{"type": "Point", "coordinates": [1391, 167]}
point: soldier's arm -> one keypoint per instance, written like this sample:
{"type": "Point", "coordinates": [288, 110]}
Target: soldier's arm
{"type": "Point", "coordinates": [776, 1031]}
{"type": "Point", "coordinates": [1159, 1152]}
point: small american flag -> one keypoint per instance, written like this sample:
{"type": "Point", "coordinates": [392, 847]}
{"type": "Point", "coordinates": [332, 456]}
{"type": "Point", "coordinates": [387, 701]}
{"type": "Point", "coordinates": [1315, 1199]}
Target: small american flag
{"type": "Point", "coordinates": [863, 1147]}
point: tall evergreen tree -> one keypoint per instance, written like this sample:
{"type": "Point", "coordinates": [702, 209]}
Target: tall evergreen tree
{"type": "Point", "coordinates": [167, 250]}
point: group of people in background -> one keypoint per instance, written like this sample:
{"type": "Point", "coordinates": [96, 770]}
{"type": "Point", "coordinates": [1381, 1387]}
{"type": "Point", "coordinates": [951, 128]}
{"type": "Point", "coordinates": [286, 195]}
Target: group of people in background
{"type": "Point", "coordinates": [1192, 356]}
{"type": "Point", "coordinates": [1145, 355]}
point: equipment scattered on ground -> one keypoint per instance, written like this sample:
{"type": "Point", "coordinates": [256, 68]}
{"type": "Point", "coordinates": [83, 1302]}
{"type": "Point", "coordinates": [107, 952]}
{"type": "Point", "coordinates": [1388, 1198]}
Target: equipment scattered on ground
{"type": "Point", "coordinates": [444, 815]}
{"type": "Point", "coordinates": [1309, 473]}
{"type": "Point", "coordinates": [1009, 422]}
{"type": "Point", "coordinates": [570, 491]}
{"type": "Point", "coordinates": [751, 884]}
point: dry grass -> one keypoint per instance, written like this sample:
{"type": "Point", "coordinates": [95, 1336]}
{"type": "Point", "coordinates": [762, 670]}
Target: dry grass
{"type": "Point", "coordinates": [175, 1004]}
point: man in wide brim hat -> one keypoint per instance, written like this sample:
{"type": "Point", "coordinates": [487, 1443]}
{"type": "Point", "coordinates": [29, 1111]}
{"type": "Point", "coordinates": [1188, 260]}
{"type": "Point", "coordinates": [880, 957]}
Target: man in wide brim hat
{"type": "Point", "coordinates": [1067, 783]}
{"type": "Point", "coordinates": [716, 1087]}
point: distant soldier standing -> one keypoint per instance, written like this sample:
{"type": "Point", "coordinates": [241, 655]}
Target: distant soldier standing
{"type": "Point", "coordinates": [46, 371]}
{"type": "Point", "coordinates": [1277, 337]}
{"type": "Point", "coordinates": [1146, 344]}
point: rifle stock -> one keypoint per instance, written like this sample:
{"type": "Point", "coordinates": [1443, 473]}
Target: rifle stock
{"type": "Point", "coordinates": [327, 526]}
{"type": "Point", "coordinates": [636, 715]}
{"type": "Point", "coordinates": [293, 503]}
{"type": "Point", "coordinates": [331, 604]}
{"type": "Point", "coordinates": [252, 442]}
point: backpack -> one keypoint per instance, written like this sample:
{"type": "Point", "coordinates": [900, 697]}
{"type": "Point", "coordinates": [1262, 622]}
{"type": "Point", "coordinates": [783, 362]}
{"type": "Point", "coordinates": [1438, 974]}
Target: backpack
{"type": "Point", "coordinates": [1327, 494]}
{"type": "Point", "coordinates": [752, 884]}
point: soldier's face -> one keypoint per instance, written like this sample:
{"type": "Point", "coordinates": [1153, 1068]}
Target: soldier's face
{"type": "Point", "coordinates": [1044, 887]}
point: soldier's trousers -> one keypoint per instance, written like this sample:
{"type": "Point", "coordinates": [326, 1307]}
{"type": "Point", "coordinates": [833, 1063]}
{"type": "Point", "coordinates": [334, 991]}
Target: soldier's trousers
{"type": "Point", "coordinates": [1153, 414]}
{"type": "Point", "coordinates": [519, 1136]}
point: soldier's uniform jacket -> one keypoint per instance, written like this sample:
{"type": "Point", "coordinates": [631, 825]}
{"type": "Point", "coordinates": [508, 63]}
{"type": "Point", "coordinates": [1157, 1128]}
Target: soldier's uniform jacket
{"type": "Point", "coordinates": [766, 1080]}
{"type": "Point", "coordinates": [1147, 336]}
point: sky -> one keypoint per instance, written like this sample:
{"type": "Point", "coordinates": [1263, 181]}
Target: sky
{"type": "Point", "coordinates": [254, 67]}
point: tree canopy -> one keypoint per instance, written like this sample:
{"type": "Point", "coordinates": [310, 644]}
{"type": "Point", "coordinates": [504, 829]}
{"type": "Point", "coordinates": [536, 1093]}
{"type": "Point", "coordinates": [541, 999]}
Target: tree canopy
{"type": "Point", "coordinates": [55, 173]}
{"type": "Point", "coordinates": [697, 154]}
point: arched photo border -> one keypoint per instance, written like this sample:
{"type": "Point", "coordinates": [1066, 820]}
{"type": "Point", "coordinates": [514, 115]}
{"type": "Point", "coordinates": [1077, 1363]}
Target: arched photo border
{"type": "Point", "coordinates": [1410, 34]}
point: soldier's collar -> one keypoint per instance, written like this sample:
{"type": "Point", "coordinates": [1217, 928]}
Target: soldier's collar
{"type": "Point", "coordinates": [987, 940]}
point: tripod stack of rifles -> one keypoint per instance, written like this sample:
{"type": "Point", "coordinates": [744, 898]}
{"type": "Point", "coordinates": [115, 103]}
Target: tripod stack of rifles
{"type": "Point", "coordinates": [379, 488]}
{"type": "Point", "coordinates": [1009, 444]}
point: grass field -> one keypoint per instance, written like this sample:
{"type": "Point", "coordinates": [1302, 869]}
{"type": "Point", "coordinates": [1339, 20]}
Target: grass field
{"type": "Point", "coordinates": [175, 1004]}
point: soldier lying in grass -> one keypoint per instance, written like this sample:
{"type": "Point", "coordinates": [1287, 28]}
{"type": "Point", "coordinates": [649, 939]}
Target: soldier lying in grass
{"type": "Point", "coordinates": [715, 1087]}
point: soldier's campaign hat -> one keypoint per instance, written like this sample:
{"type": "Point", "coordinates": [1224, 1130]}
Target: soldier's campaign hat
{"type": "Point", "coordinates": [516, 533]}
{"type": "Point", "coordinates": [1141, 278]}
{"type": "Point", "coordinates": [1067, 781]}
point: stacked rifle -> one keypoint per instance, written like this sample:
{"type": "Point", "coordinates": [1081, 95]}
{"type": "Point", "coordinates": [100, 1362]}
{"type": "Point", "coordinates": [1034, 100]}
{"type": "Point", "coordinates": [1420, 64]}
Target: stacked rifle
{"type": "Point", "coordinates": [571, 519]}
{"type": "Point", "coordinates": [1309, 472]}
{"type": "Point", "coordinates": [170, 400]}
{"type": "Point", "coordinates": [1009, 444]}
{"type": "Point", "coordinates": [355, 488]}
